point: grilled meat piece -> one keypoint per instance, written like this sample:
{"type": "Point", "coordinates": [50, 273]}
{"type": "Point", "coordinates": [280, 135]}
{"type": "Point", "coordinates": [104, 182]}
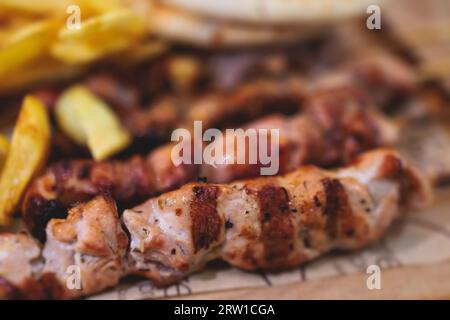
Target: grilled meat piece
{"type": "Point", "coordinates": [90, 244]}
{"type": "Point", "coordinates": [388, 79]}
{"type": "Point", "coordinates": [336, 124]}
{"type": "Point", "coordinates": [19, 267]}
{"type": "Point", "coordinates": [271, 223]}
{"type": "Point", "coordinates": [83, 255]}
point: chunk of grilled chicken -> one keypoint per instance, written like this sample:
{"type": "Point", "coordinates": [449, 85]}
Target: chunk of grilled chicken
{"type": "Point", "coordinates": [271, 223]}
{"type": "Point", "coordinates": [19, 267]}
{"type": "Point", "coordinates": [83, 255]}
{"type": "Point", "coordinates": [336, 124]}
{"type": "Point", "coordinates": [88, 247]}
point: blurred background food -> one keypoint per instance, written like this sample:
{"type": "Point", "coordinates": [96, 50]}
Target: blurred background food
{"type": "Point", "coordinates": [40, 43]}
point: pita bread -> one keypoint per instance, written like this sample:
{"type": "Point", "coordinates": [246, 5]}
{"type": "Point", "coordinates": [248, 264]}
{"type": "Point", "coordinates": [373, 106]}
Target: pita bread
{"type": "Point", "coordinates": [275, 11]}
{"type": "Point", "coordinates": [184, 27]}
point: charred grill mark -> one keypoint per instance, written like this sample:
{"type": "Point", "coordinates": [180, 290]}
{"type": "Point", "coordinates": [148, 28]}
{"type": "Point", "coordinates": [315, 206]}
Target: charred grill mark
{"type": "Point", "coordinates": [229, 224]}
{"type": "Point", "coordinates": [84, 171]}
{"type": "Point", "coordinates": [336, 207]}
{"type": "Point", "coordinates": [277, 230]}
{"type": "Point", "coordinates": [39, 211]}
{"type": "Point", "coordinates": [206, 223]}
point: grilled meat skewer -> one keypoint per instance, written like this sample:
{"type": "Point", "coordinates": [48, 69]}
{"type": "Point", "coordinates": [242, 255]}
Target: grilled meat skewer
{"type": "Point", "coordinates": [83, 255]}
{"type": "Point", "coordinates": [265, 223]}
{"type": "Point", "coordinates": [385, 77]}
{"type": "Point", "coordinates": [271, 223]}
{"type": "Point", "coordinates": [267, 84]}
{"type": "Point", "coordinates": [336, 124]}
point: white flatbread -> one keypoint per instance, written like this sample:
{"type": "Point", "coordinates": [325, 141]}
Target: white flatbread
{"type": "Point", "coordinates": [180, 26]}
{"type": "Point", "coordinates": [276, 11]}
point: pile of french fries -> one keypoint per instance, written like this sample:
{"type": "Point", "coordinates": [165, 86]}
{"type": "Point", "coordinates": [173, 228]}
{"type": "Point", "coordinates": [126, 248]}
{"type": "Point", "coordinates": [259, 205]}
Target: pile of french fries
{"type": "Point", "coordinates": [84, 118]}
{"type": "Point", "coordinates": [41, 41]}
{"type": "Point", "coordinates": [49, 40]}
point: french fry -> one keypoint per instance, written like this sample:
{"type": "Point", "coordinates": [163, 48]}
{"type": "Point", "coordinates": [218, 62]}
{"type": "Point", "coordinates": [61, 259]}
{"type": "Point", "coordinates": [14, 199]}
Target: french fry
{"type": "Point", "coordinates": [11, 23]}
{"type": "Point", "coordinates": [44, 71]}
{"type": "Point", "coordinates": [89, 121]}
{"type": "Point", "coordinates": [26, 45]}
{"type": "Point", "coordinates": [4, 146]}
{"type": "Point", "coordinates": [41, 7]}
{"type": "Point", "coordinates": [95, 7]}
{"type": "Point", "coordinates": [66, 115]}
{"type": "Point", "coordinates": [27, 155]}
{"type": "Point", "coordinates": [99, 36]}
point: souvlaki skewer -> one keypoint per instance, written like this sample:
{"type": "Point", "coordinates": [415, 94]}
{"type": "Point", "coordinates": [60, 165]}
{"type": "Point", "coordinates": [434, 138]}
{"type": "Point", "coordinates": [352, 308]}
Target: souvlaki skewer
{"type": "Point", "coordinates": [335, 125]}
{"type": "Point", "coordinates": [270, 223]}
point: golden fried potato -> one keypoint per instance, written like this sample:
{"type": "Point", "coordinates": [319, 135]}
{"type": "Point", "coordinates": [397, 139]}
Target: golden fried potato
{"type": "Point", "coordinates": [99, 36]}
{"type": "Point", "coordinates": [95, 7]}
{"type": "Point", "coordinates": [27, 155]}
{"type": "Point", "coordinates": [4, 146]}
{"type": "Point", "coordinates": [66, 116]}
{"type": "Point", "coordinates": [41, 7]}
{"type": "Point", "coordinates": [26, 45]}
{"type": "Point", "coordinates": [89, 121]}
{"type": "Point", "coordinates": [44, 71]}
{"type": "Point", "coordinates": [58, 7]}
